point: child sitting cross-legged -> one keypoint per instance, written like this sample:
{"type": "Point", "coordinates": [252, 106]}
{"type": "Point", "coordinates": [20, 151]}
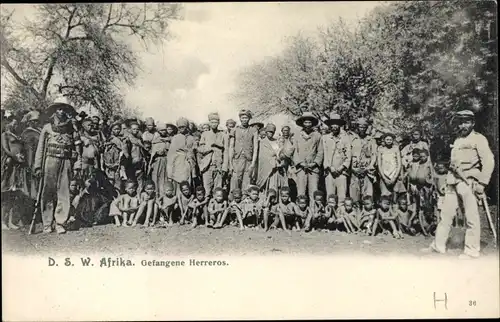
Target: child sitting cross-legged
{"type": "Point", "coordinates": [234, 210]}
{"type": "Point", "coordinates": [168, 205]}
{"type": "Point", "coordinates": [126, 205]}
{"type": "Point", "coordinates": [385, 218]}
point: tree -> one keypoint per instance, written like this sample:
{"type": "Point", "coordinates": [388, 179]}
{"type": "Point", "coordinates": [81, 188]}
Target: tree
{"type": "Point", "coordinates": [79, 51]}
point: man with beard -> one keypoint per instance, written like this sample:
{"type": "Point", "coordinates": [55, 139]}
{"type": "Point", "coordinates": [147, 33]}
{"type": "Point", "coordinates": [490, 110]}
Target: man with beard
{"type": "Point", "coordinates": [337, 159]}
{"type": "Point", "coordinates": [55, 157]}
{"type": "Point", "coordinates": [471, 166]}
{"type": "Point", "coordinates": [213, 150]}
{"type": "Point", "coordinates": [243, 152]}
{"type": "Point", "coordinates": [364, 156]}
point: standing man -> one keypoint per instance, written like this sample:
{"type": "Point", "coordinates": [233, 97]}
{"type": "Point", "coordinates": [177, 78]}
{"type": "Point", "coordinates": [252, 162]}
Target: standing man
{"type": "Point", "coordinates": [243, 152]}
{"type": "Point", "coordinates": [30, 137]}
{"type": "Point", "coordinates": [181, 160]}
{"type": "Point", "coordinates": [337, 159]}
{"type": "Point", "coordinates": [364, 157]}
{"type": "Point", "coordinates": [307, 155]}
{"type": "Point", "coordinates": [55, 157]}
{"type": "Point", "coordinates": [213, 150]}
{"type": "Point", "coordinates": [471, 166]}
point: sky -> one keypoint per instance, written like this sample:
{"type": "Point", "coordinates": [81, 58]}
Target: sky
{"type": "Point", "coordinates": [194, 73]}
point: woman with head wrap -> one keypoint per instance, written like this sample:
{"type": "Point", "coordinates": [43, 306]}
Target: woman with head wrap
{"type": "Point", "coordinates": [271, 161]}
{"type": "Point", "coordinates": [14, 182]}
{"type": "Point", "coordinates": [181, 160]}
{"type": "Point", "coordinates": [213, 152]}
{"type": "Point", "coordinates": [158, 162]}
{"type": "Point", "coordinates": [149, 133]}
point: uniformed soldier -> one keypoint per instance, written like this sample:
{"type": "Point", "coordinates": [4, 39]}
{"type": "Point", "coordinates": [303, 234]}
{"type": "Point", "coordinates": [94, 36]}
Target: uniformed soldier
{"type": "Point", "coordinates": [243, 152]}
{"type": "Point", "coordinates": [471, 166]}
{"type": "Point", "coordinates": [337, 158]}
{"type": "Point", "coordinates": [364, 157]}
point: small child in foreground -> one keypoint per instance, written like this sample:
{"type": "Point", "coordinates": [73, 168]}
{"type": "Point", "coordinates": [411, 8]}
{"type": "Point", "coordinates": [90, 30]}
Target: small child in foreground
{"type": "Point", "coordinates": [184, 200]}
{"type": "Point", "coordinates": [405, 216]}
{"type": "Point", "coordinates": [125, 205]}
{"type": "Point", "coordinates": [148, 204]}
{"type": "Point", "coordinates": [217, 207]}
{"type": "Point", "coordinates": [318, 211]}
{"type": "Point", "coordinates": [270, 211]}
{"type": "Point", "coordinates": [253, 206]}
{"type": "Point", "coordinates": [347, 216]}
{"type": "Point", "coordinates": [234, 210]}
{"type": "Point", "coordinates": [303, 214]}
{"type": "Point", "coordinates": [198, 208]}
{"type": "Point", "coordinates": [367, 215]}
{"type": "Point", "coordinates": [331, 210]}
{"type": "Point", "coordinates": [386, 219]}
{"type": "Point", "coordinates": [285, 210]}
{"type": "Point", "coordinates": [168, 204]}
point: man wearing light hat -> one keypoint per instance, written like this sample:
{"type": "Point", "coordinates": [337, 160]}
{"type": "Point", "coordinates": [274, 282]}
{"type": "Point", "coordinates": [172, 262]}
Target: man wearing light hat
{"type": "Point", "coordinates": [30, 137]}
{"type": "Point", "coordinates": [364, 157]}
{"type": "Point", "coordinates": [181, 159]}
{"type": "Point", "coordinates": [307, 155]}
{"type": "Point", "coordinates": [471, 166]}
{"type": "Point", "coordinates": [213, 149]}
{"type": "Point", "coordinates": [243, 152]}
{"type": "Point", "coordinates": [337, 159]}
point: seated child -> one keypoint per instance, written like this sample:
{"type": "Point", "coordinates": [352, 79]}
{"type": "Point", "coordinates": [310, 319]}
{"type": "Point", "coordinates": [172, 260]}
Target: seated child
{"type": "Point", "coordinates": [270, 207]}
{"type": "Point", "coordinates": [347, 216]}
{"type": "Point", "coordinates": [217, 206]}
{"type": "Point", "coordinates": [331, 210]}
{"type": "Point", "coordinates": [318, 211]}
{"type": "Point", "coordinates": [198, 208]}
{"type": "Point", "coordinates": [253, 206]}
{"type": "Point", "coordinates": [234, 209]}
{"type": "Point", "coordinates": [367, 215]}
{"type": "Point", "coordinates": [303, 214]}
{"type": "Point", "coordinates": [168, 204]}
{"type": "Point", "coordinates": [125, 205]}
{"type": "Point", "coordinates": [405, 216]}
{"type": "Point", "coordinates": [385, 218]}
{"type": "Point", "coordinates": [185, 199]}
{"type": "Point", "coordinates": [285, 209]}
{"type": "Point", "coordinates": [148, 204]}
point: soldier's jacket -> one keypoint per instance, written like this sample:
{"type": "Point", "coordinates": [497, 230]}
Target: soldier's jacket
{"type": "Point", "coordinates": [245, 139]}
{"type": "Point", "coordinates": [308, 148]}
{"type": "Point", "coordinates": [473, 157]}
{"type": "Point", "coordinates": [55, 144]}
{"type": "Point", "coordinates": [364, 152]}
{"type": "Point", "coordinates": [217, 156]}
{"type": "Point", "coordinates": [337, 152]}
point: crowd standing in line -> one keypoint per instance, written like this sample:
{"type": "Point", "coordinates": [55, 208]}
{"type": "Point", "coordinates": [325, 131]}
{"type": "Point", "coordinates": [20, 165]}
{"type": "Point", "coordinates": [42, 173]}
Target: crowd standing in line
{"type": "Point", "coordinates": [82, 171]}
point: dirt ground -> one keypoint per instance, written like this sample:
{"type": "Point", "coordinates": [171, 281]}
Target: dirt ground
{"type": "Point", "coordinates": [182, 240]}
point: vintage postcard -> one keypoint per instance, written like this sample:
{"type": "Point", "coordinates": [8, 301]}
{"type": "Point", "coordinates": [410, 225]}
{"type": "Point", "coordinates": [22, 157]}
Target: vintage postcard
{"type": "Point", "coordinates": [280, 160]}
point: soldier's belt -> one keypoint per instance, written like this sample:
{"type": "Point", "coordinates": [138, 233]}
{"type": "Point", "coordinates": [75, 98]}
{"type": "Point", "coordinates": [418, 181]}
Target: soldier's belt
{"type": "Point", "coordinates": [61, 151]}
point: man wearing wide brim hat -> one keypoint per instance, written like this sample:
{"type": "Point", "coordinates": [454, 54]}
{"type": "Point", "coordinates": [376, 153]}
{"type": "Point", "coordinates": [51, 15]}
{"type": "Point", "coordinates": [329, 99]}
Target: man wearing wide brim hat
{"type": "Point", "coordinates": [364, 157]}
{"type": "Point", "coordinates": [308, 155]}
{"type": "Point", "coordinates": [471, 167]}
{"type": "Point", "coordinates": [214, 158]}
{"type": "Point", "coordinates": [243, 152]}
{"type": "Point", "coordinates": [337, 158]}
{"type": "Point", "coordinates": [55, 160]}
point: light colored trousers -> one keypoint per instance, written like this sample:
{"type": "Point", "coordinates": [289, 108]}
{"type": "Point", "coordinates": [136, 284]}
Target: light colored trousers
{"type": "Point", "coordinates": [360, 188]}
{"type": "Point", "coordinates": [241, 176]}
{"type": "Point", "coordinates": [448, 212]}
{"type": "Point", "coordinates": [336, 186]}
{"type": "Point", "coordinates": [307, 183]}
{"type": "Point", "coordinates": [212, 178]}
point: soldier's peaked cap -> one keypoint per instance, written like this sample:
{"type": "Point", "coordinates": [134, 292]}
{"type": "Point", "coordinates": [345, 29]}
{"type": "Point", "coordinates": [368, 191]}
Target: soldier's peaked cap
{"type": "Point", "coordinates": [465, 114]}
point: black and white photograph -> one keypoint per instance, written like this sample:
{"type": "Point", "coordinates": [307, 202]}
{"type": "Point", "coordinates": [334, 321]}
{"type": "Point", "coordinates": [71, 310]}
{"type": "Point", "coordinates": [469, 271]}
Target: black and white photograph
{"type": "Point", "coordinates": [266, 151]}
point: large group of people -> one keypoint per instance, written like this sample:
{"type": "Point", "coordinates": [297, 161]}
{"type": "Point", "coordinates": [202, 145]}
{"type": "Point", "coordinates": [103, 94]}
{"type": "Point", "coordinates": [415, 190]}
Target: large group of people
{"type": "Point", "coordinates": [78, 170]}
